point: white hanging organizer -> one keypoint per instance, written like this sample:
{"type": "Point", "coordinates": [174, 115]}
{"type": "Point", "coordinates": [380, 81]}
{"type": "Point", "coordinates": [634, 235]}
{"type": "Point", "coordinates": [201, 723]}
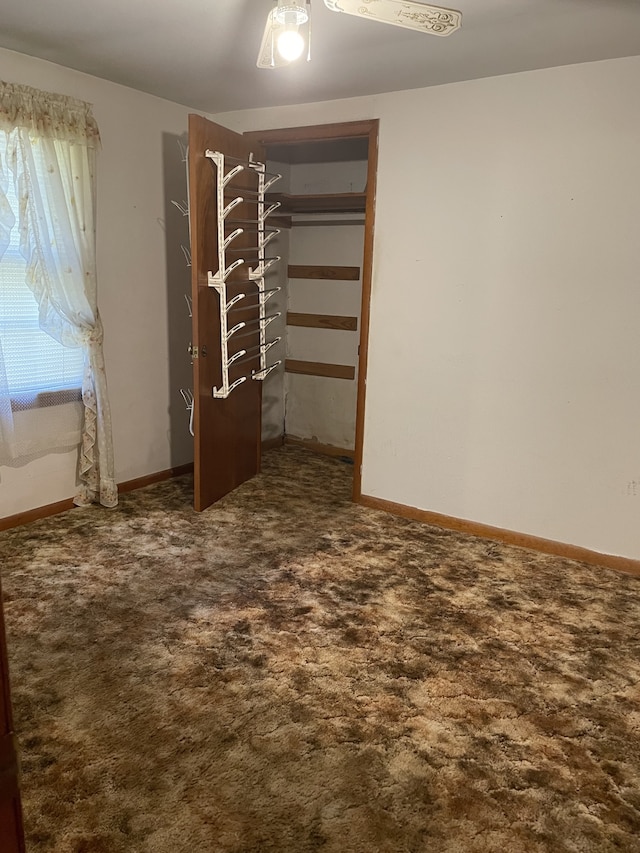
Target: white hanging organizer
{"type": "Point", "coordinates": [227, 234]}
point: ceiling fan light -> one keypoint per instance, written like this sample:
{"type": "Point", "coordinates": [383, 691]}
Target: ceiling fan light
{"type": "Point", "coordinates": [291, 14]}
{"type": "Point", "coordinates": [290, 44]}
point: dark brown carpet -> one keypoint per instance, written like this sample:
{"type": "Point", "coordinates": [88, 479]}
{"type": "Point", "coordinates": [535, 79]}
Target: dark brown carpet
{"type": "Point", "coordinates": [288, 673]}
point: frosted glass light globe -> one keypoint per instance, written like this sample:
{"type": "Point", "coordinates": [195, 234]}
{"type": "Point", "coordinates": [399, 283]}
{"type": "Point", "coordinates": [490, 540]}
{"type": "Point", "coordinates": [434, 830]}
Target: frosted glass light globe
{"type": "Point", "coordinates": [290, 45]}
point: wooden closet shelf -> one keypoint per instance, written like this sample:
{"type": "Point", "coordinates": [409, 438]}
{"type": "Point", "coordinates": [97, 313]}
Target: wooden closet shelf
{"type": "Point", "coordinates": [332, 203]}
{"type": "Point", "coordinates": [322, 321]}
{"type": "Point", "coordinates": [327, 273]}
{"type": "Point", "coordinates": [318, 368]}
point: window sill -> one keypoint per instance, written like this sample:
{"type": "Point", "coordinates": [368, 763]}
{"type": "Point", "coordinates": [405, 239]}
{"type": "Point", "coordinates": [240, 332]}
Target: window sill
{"type": "Point", "coordinates": [23, 400]}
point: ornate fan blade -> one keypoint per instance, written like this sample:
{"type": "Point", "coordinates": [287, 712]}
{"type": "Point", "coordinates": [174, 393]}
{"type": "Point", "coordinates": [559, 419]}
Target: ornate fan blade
{"type": "Point", "coordinates": [268, 56]}
{"type": "Point", "coordinates": [402, 13]}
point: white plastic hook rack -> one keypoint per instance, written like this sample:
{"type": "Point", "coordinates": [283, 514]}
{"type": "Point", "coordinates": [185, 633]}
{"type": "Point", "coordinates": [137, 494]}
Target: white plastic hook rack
{"type": "Point", "coordinates": [187, 396]}
{"type": "Point", "coordinates": [256, 262]}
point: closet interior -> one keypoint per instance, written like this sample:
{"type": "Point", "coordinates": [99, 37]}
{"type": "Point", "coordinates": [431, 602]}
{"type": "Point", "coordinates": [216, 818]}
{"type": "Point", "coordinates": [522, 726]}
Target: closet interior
{"type": "Point", "coordinates": [322, 194]}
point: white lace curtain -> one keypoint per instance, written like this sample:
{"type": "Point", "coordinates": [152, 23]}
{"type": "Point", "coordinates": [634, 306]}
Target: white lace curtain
{"type": "Point", "coordinates": [50, 155]}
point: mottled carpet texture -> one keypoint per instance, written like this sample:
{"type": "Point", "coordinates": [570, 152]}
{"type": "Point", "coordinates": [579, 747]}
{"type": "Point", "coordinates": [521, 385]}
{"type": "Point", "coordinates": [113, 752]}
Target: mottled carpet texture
{"type": "Point", "coordinates": [288, 672]}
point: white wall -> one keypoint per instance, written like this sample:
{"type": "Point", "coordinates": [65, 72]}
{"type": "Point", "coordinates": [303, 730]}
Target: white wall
{"type": "Point", "coordinates": [146, 326]}
{"type": "Point", "coordinates": [504, 355]}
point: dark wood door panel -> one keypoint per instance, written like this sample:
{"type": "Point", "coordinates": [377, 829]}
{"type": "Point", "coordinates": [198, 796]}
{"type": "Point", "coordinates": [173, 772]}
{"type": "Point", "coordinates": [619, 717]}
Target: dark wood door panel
{"type": "Point", "coordinates": [227, 431]}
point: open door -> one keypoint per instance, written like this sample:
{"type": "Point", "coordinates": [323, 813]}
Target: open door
{"type": "Point", "coordinates": [11, 833]}
{"type": "Point", "coordinates": [227, 432]}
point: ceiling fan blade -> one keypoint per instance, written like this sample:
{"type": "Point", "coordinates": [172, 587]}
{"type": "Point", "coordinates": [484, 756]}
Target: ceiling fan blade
{"type": "Point", "coordinates": [268, 56]}
{"type": "Point", "coordinates": [402, 13]}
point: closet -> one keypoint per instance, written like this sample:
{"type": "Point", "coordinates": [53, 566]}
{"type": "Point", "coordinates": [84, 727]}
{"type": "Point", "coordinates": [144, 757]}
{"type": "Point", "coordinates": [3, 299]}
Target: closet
{"type": "Point", "coordinates": [281, 238]}
{"type": "Point", "coordinates": [322, 193]}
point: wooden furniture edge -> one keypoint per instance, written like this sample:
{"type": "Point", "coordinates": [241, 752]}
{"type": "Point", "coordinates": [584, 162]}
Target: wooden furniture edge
{"type": "Point", "coordinates": [56, 508]}
{"type": "Point", "coordinates": [318, 447]}
{"type": "Point", "coordinates": [507, 537]}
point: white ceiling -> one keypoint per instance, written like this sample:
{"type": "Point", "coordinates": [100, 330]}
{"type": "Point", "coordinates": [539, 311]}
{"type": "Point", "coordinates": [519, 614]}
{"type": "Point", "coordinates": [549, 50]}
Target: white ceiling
{"type": "Point", "coordinates": [202, 53]}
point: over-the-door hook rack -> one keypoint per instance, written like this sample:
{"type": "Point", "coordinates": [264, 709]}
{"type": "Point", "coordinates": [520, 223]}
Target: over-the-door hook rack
{"type": "Point", "coordinates": [228, 198]}
{"type": "Point", "coordinates": [187, 396]}
{"type": "Point", "coordinates": [182, 206]}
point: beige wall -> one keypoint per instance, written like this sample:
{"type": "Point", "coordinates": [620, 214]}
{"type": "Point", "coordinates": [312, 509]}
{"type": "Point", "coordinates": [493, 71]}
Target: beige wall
{"type": "Point", "coordinates": [504, 365]}
{"type": "Point", "coordinates": [146, 327]}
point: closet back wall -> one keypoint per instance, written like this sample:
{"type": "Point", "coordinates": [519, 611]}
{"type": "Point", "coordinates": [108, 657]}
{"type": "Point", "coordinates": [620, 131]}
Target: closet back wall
{"type": "Point", "coordinates": [320, 408]}
{"type": "Point", "coordinates": [145, 345]}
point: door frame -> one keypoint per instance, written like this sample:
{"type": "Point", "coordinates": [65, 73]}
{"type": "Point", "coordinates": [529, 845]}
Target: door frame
{"type": "Point", "coordinates": [368, 128]}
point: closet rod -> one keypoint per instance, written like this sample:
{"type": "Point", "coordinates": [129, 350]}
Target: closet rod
{"type": "Point", "coordinates": [297, 223]}
{"type": "Point", "coordinates": [253, 164]}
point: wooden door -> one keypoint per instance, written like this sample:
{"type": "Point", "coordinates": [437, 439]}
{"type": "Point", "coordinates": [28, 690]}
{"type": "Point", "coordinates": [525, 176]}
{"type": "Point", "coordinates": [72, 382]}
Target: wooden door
{"type": "Point", "coordinates": [227, 432]}
{"type": "Point", "coordinates": [11, 834]}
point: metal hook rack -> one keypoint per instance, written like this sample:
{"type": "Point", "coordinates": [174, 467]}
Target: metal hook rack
{"type": "Point", "coordinates": [256, 261]}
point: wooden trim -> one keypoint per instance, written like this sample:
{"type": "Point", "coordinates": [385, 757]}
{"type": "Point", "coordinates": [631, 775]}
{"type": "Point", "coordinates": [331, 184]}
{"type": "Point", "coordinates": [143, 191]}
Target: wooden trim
{"type": "Point", "coordinates": [318, 202]}
{"type": "Point", "coordinates": [158, 477]}
{"type": "Point", "coordinates": [319, 368]}
{"type": "Point", "coordinates": [317, 447]}
{"type": "Point", "coordinates": [322, 321]}
{"type": "Point", "coordinates": [325, 273]}
{"type": "Point", "coordinates": [48, 510]}
{"type": "Point", "coordinates": [365, 310]}
{"type": "Point", "coordinates": [508, 537]}
{"type": "Point", "coordinates": [311, 133]}
{"type": "Point", "coordinates": [307, 223]}
{"type": "Point", "coordinates": [36, 514]}
{"type": "Point", "coordinates": [272, 443]}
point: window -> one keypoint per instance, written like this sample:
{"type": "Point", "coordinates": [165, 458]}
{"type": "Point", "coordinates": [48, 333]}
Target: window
{"type": "Point", "coordinates": [50, 142]}
{"type": "Point", "coordinates": [34, 362]}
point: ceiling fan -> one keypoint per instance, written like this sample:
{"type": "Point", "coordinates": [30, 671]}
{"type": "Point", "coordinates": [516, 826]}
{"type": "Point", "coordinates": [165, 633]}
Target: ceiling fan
{"type": "Point", "coordinates": [288, 27]}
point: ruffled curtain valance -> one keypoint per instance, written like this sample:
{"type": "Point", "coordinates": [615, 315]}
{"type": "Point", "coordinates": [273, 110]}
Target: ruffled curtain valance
{"type": "Point", "coordinates": [51, 152]}
{"type": "Point", "coordinates": [47, 115]}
